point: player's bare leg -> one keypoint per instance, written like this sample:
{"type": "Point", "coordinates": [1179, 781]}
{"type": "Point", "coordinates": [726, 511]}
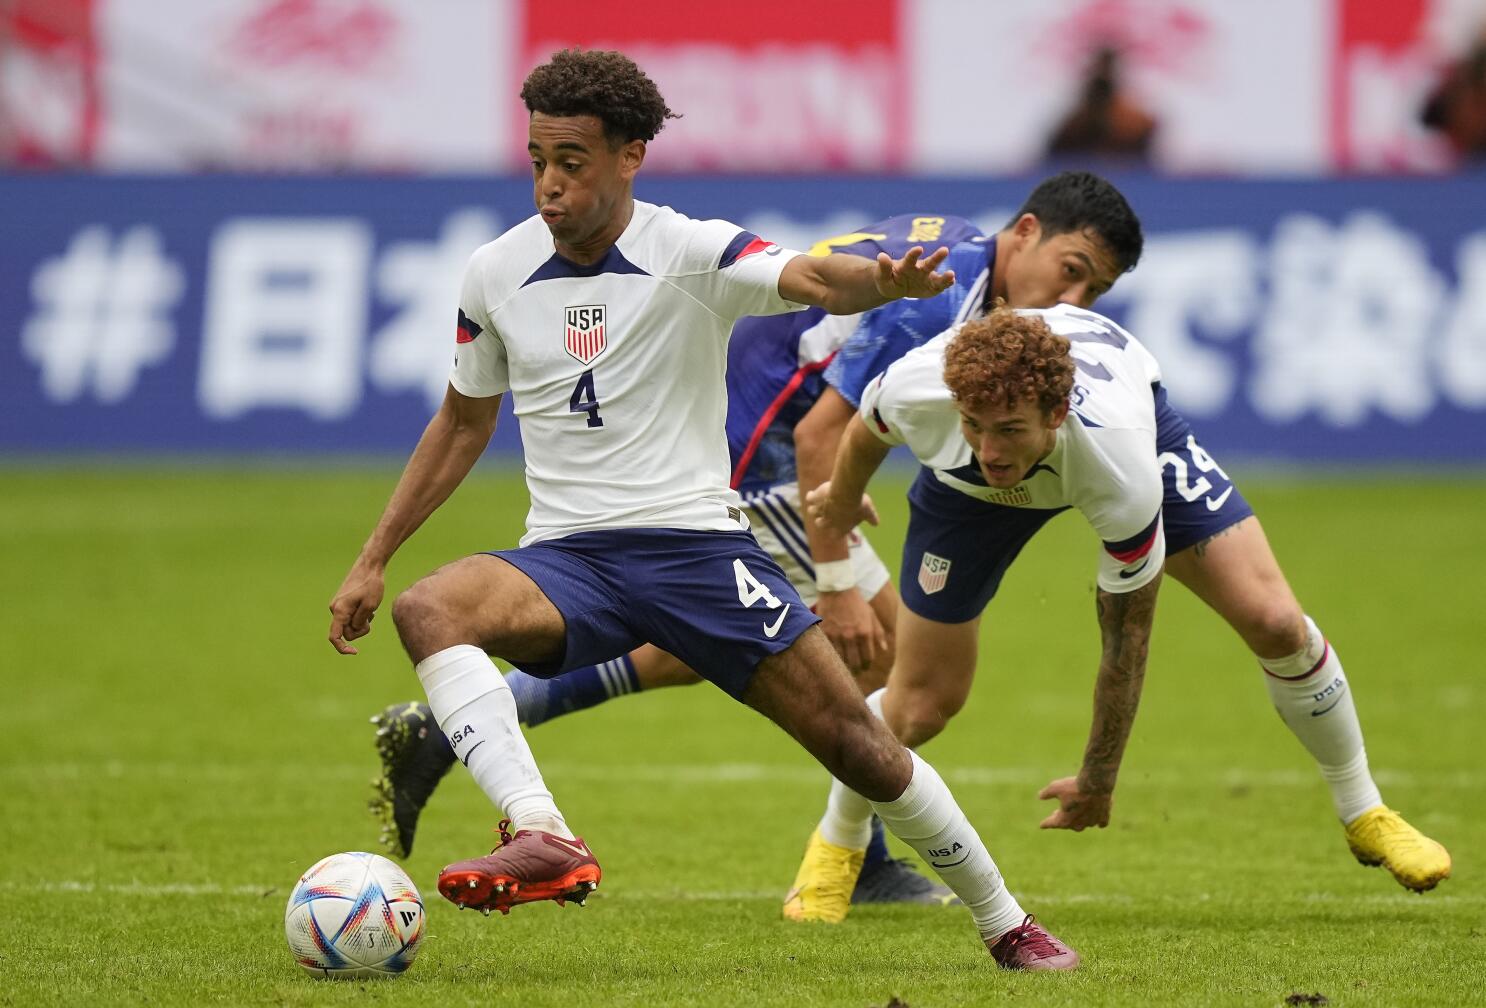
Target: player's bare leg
{"type": "Point", "coordinates": [807, 691]}
{"type": "Point", "coordinates": [885, 607]}
{"type": "Point", "coordinates": [448, 622]}
{"type": "Point", "coordinates": [884, 878]}
{"type": "Point", "coordinates": [932, 676]}
{"type": "Point", "coordinates": [928, 683]}
{"type": "Point", "coordinates": [1235, 572]}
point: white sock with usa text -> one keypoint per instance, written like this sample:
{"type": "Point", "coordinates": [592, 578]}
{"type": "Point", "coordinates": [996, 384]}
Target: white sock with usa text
{"type": "Point", "coordinates": [477, 713]}
{"type": "Point", "coordinates": [1311, 693]}
{"type": "Point", "coordinates": [926, 817]}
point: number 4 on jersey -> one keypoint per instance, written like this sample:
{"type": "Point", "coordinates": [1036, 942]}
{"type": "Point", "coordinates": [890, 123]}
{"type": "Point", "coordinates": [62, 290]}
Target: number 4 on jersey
{"type": "Point", "coordinates": [586, 400]}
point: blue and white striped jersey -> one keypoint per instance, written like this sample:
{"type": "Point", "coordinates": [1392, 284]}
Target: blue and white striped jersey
{"type": "Point", "coordinates": [776, 363]}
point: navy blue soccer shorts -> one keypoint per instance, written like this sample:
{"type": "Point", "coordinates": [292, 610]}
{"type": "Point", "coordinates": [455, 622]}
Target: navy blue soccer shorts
{"type": "Point", "coordinates": [715, 600]}
{"type": "Point", "coordinates": [1200, 499]}
{"type": "Point", "coordinates": [958, 548]}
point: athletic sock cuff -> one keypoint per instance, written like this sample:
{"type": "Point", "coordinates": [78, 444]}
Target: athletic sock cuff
{"type": "Point", "coordinates": [916, 802]}
{"type": "Point", "coordinates": [1303, 663]}
{"type": "Point", "coordinates": [458, 676]}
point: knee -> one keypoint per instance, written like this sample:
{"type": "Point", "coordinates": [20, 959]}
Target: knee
{"type": "Point", "coordinates": [419, 618]}
{"type": "Point", "coordinates": [916, 716]}
{"type": "Point", "coordinates": [1274, 628]}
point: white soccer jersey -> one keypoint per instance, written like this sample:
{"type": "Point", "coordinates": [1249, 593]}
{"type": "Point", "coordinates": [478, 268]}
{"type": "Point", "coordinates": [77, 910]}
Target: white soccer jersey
{"type": "Point", "coordinates": [616, 369]}
{"type": "Point", "coordinates": [1103, 462]}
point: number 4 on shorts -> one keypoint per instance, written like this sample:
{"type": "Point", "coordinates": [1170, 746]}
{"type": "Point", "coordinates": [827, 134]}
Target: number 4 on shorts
{"type": "Point", "coordinates": [750, 589]}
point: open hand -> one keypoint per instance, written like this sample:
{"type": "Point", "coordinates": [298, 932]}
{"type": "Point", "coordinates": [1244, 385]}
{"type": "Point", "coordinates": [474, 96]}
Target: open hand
{"type": "Point", "coordinates": [911, 276]}
{"type": "Point", "coordinates": [1077, 810]}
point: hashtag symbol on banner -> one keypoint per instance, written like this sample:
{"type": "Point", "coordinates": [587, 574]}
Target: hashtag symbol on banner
{"type": "Point", "coordinates": [101, 314]}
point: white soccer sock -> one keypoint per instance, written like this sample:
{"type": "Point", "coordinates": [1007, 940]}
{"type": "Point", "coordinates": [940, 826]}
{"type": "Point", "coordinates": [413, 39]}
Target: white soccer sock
{"type": "Point", "coordinates": [848, 818]}
{"type": "Point", "coordinates": [926, 817]}
{"type": "Point", "coordinates": [1310, 692]}
{"type": "Point", "coordinates": [477, 713]}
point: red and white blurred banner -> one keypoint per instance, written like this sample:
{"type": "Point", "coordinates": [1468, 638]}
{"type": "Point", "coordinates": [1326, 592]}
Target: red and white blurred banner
{"type": "Point", "coordinates": [49, 102]}
{"type": "Point", "coordinates": [924, 86]}
{"type": "Point", "coordinates": [319, 84]}
{"type": "Point", "coordinates": [766, 86]}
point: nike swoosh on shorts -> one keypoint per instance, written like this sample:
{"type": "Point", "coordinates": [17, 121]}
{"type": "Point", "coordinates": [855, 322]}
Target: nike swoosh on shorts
{"type": "Point", "coordinates": [1213, 505]}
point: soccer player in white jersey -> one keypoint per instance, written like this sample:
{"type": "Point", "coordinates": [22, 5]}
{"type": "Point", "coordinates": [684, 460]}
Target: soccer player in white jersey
{"type": "Point", "coordinates": [1015, 417]}
{"type": "Point", "coordinates": [774, 377]}
{"type": "Point", "coordinates": [607, 319]}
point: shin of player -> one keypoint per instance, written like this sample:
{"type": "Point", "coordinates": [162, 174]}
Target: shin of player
{"type": "Point", "coordinates": [808, 692]}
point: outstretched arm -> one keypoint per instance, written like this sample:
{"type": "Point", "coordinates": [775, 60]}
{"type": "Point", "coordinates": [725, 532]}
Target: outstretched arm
{"type": "Point", "coordinates": [847, 284]}
{"type": "Point", "coordinates": [839, 505]}
{"type": "Point", "coordinates": [453, 440]}
{"type": "Point", "coordinates": [1125, 622]}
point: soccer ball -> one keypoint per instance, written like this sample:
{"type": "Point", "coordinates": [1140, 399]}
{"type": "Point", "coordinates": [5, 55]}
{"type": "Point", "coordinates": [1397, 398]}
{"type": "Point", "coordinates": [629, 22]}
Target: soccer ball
{"type": "Point", "coordinates": [353, 916]}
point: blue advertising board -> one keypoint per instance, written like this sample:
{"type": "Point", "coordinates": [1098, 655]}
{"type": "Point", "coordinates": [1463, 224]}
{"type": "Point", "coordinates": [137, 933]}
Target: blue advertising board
{"type": "Point", "coordinates": [1331, 320]}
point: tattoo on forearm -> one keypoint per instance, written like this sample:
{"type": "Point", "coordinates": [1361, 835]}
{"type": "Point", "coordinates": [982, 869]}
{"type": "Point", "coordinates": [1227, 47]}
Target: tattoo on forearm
{"type": "Point", "coordinates": [1125, 624]}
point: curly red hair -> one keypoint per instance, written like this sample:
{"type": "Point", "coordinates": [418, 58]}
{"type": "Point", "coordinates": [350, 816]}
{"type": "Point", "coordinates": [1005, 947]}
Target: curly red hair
{"type": "Point", "coordinates": [1005, 359]}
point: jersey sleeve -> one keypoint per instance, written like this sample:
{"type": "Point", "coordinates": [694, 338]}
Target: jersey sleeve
{"type": "Point", "coordinates": [480, 369]}
{"type": "Point", "coordinates": [908, 403]}
{"type": "Point", "coordinates": [877, 412]}
{"type": "Point", "coordinates": [735, 272]}
{"type": "Point", "coordinates": [1127, 514]}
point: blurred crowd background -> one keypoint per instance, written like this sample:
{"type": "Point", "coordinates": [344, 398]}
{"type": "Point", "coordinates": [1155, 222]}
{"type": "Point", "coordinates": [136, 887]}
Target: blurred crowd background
{"type": "Point", "coordinates": [238, 225]}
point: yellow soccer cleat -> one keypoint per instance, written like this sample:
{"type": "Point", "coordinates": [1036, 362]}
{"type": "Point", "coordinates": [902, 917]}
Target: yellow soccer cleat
{"type": "Point", "coordinates": [1380, 836]}
{"type": "Point", "coordinates": [822, 889]}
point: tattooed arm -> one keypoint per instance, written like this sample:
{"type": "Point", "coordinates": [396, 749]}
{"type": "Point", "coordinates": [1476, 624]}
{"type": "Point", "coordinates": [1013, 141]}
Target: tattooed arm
{"type": "Point", "coordinates": [1125, 624]}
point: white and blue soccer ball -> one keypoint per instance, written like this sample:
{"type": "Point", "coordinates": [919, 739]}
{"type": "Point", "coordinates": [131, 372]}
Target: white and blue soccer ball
{"type": "Point", "coordinates": [354, 916]}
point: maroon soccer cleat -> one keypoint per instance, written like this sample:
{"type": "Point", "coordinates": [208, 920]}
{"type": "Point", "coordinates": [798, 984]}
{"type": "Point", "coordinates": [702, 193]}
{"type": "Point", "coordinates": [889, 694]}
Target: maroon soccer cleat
{"type": "Point", "coordinates": [530, 866]}
{"type": "Point", "coordinates": [1028, 947]}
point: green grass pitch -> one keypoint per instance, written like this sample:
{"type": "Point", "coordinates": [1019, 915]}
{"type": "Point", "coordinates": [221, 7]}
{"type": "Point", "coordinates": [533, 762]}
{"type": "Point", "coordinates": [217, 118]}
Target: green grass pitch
{"type": "Point", "coordinates": [180, 742]}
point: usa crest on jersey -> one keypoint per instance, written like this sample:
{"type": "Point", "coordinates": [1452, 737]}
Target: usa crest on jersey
{"type": "Point", "coordinates": [584, 332]}
{"type": "Point", "coordinates": [933, 572]}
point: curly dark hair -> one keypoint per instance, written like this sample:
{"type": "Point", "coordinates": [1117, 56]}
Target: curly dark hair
{"type": "Point", "coordinates": [602, 83]}
{"type": "Point", "coordinates": [1082, 201]}
{"type": "Point", "coordinates": [1005, 359]}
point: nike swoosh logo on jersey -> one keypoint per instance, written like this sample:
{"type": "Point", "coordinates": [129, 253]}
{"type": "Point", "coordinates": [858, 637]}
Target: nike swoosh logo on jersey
{"type": "Point", "coordinates": [771, 630]}
{"type": "Point", "coordinates": [575, 847]}
{"type": "Point", "coordinates": [951, 864]}
{"type": "Point", "coordinates": [1131, 573]}
{"type": "Point", "coordinates": [1213, 505]}
{"type": "Point", "coordinates": [1323, 710]}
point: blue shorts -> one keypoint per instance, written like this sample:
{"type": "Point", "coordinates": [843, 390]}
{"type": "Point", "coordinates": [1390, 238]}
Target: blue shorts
{"type": "Point", "coordinates": [958, 548]}
{"type": "Point", "coordinates": [715, 600]}
{"type": "Point", "coordinates": [1200, 499]}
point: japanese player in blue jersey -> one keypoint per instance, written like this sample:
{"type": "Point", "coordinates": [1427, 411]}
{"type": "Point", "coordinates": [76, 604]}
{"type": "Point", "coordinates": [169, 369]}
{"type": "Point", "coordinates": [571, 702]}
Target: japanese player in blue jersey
{"type": "Point", "coordinates": [983, 493]}
{"type": "Point", "coordinates": [586, 313]}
